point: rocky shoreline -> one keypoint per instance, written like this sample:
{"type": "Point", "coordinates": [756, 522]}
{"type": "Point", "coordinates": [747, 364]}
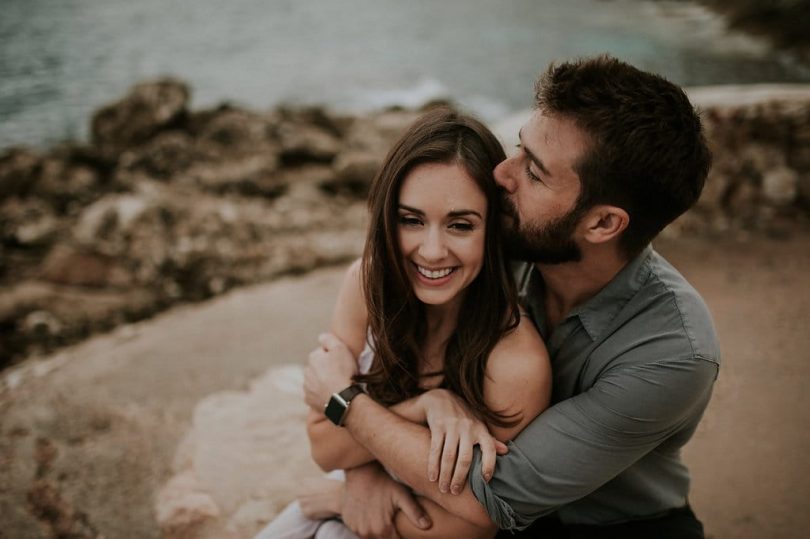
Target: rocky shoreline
{"type": "Point", "coordinates": [782, 22]}
{"type": "Point", "coordinates": [168, 205]}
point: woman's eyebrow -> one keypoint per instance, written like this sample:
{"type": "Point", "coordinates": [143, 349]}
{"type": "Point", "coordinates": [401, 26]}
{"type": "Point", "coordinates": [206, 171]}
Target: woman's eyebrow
{"type": "Point", "coordinates": [454, 213]}
{"type": "Point", "coordinates": [412, 210]}
{"type": "Point", "coordinates": [464, 213]}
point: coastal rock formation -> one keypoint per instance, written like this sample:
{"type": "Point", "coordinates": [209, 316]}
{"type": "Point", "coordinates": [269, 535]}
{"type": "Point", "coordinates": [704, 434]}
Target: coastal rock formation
{"type": "Point", "coordinates": [171, 205]}
{"type": "Point", "coordinates": [241, 462]}
{"type": "Point", "coordinates": [167, 204]}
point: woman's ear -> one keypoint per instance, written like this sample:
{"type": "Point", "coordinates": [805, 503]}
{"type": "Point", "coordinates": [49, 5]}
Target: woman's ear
{"type": "Point", "coordinates": [604, 223]}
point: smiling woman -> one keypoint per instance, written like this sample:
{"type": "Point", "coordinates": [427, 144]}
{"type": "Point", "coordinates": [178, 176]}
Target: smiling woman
{"type": "Point", "coordinates": [431, 306]}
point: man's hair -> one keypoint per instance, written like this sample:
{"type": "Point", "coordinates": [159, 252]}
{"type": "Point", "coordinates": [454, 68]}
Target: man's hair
{"type": "Point", "coordinates": [646, 153]}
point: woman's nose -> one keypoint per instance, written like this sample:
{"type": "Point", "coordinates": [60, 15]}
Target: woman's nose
{"type": "Point", "coordinates": [433, 246]}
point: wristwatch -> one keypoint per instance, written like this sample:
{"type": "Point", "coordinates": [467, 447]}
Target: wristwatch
{"type": "Point", "coordinates": [338, 405]}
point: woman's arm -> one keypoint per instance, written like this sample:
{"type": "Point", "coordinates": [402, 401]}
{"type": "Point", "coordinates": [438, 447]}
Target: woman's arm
{"type": "Point", "coordinates": [331, 446]}
{"type": "Point", "coordinates": [445, 525]}
{"type": "Point", "coordinates": [518, 379]}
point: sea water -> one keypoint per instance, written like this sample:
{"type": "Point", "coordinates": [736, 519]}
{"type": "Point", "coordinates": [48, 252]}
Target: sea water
{"type": "Point", "coordinates": [62, 59]}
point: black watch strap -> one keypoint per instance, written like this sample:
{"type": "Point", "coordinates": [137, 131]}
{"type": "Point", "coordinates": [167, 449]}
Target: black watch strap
{"type": "Point", "coordinates": [338, 405]}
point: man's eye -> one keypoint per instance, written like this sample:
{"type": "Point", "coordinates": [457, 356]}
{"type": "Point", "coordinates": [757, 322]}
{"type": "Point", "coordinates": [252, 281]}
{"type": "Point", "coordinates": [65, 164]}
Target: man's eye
{"type": "Point", "coordinates": [532, 175]}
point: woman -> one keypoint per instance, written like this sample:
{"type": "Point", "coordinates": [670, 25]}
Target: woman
{"type": "Point", "coordinates": [431, 304]}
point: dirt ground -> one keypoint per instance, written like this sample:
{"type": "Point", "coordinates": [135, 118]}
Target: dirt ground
{"type": "Point", "coordinates": [88, 435]}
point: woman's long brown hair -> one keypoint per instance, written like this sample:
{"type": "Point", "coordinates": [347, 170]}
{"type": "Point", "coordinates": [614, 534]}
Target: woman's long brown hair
{"type": "Point", "coordinates": [397, 319]}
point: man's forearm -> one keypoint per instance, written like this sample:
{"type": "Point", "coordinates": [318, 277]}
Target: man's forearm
{"type": "Point", "coordinates": [403, 446]}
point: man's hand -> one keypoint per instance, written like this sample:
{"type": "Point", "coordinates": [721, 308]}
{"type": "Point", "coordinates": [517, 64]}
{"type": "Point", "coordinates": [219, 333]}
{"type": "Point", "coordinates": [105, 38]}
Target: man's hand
{"type": "Point", "coordinates": [454, 430]}
{"type": "Point", "coordinates": [371, 500]}
{"type": "Point", "coordinates": [329, 370]}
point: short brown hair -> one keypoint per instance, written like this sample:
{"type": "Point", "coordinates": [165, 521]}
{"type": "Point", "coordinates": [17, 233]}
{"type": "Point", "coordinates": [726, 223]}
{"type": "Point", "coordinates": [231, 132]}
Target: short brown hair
{"type": "Point", "coordinates": [647, 152]}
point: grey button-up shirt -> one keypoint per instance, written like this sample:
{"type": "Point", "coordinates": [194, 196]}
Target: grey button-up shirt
{"type": "Point", "coordinates": [633, 370]}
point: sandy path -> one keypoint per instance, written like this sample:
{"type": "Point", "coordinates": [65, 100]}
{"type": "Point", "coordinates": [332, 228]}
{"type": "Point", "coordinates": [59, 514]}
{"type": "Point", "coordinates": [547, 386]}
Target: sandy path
{"type": "Point", "coordinates": [92, 431]}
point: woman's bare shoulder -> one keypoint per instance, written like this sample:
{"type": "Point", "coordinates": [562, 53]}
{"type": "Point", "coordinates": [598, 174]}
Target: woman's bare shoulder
{"type": "Point", "coordinates": [518, 377]}
{"type": "Point", "coordinates": [523, 348]}
{"type": "Point", "coordinates": [350, 316]}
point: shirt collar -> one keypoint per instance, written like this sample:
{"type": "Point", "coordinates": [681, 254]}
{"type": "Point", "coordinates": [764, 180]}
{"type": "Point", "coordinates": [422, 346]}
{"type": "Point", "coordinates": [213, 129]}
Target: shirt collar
{"type": "Point", "coordinates": [596, 313]}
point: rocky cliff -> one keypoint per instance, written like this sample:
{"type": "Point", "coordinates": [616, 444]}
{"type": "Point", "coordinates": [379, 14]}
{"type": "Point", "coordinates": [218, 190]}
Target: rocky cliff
{"type": "Point", "coordinates": [167, 204]}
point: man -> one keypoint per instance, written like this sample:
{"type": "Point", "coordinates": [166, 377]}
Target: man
{"type": "Point", "coordinates": [610, 156]}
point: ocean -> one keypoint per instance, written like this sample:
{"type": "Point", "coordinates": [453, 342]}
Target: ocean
{"type": "Point", "coordinates": [62, 59]}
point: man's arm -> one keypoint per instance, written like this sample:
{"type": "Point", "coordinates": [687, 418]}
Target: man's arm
{"type": "Point", "coordinates": [583, 442]}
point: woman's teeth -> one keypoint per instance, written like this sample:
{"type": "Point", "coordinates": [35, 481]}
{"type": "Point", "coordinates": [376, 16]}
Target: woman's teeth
{"type": "Point", "coordinates": [434, 274]}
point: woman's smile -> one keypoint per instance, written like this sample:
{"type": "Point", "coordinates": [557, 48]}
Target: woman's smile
{"type": "Point", "coordinates": [435, 277]}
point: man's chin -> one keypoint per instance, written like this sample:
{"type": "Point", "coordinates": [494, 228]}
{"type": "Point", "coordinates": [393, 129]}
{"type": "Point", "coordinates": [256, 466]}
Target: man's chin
{"type": "Point", "coordinates": [517, 248]}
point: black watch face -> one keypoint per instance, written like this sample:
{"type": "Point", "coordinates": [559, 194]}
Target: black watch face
{"type": "Point", "coordinates": [334, 410]}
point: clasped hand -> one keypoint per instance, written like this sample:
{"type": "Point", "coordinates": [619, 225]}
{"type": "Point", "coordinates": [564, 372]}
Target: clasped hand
{"type": "Point", "coordinates": [454, 429]}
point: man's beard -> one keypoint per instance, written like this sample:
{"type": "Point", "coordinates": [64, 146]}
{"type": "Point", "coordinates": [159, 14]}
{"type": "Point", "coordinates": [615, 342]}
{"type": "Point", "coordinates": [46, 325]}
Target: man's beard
{"type": "Point", "coordinates": [552, 243]}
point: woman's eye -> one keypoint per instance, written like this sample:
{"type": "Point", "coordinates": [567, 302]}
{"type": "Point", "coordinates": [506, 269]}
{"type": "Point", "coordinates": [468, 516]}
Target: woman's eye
{"type": "Point", "coordinates": [408, 220]}
{"type": "Point", "coordinates": [462, 227]}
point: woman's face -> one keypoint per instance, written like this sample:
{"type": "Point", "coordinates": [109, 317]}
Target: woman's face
{"type": "Point", "coordinates": [442, 230]}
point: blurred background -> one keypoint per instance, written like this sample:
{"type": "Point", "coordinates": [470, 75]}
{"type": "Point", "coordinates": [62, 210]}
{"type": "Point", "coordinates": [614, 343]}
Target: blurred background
{"type": "Point", "coordinates": [183, 182]}
{"type": "Point", "coordinates": [62, 60]}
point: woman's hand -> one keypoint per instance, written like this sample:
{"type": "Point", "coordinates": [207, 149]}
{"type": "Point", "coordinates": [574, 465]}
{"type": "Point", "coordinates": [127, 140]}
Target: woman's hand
{"type": "Point", "coordinates": [329, 370]}
{"type": "Point", "coordinates": [454, 430]}
{"type": "Point", "coordinates": [321, 498]}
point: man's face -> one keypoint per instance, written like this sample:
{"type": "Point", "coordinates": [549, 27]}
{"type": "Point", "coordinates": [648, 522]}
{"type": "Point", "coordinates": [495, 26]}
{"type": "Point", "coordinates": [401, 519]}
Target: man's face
{"type": "Point", "coordinates": [541, 191]}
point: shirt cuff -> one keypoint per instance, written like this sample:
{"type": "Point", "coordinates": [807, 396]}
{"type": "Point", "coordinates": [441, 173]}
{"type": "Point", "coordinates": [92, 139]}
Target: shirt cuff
{"type": "Point", "coordinates": [499, 511]}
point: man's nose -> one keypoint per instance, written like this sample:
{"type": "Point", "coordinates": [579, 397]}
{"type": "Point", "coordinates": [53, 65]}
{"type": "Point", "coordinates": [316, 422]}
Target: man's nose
{"type": "Point", "coordinates": [433, 247]}
{"type": "Point", "coordinates": [504, 175]}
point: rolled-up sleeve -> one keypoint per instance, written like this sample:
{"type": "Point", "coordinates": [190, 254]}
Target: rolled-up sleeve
{"type": "Point", "coordinates": [581, 443]}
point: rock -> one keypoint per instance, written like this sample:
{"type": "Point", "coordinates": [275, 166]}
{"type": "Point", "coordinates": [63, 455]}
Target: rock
{"type": "Point", "coordinates": [803, 189]}
{"type": "Point", "coordinates": [75, 267]}
{"type": "Point", "coordinates": [42, 325]}
{"type": "Point", "coordinates": [742, 202]}
{"type": "Point", "coordinates": [254, 175]}
{"type": "Point", "coordinates": [780, 186]}
{"type": "Point", "coordinates": [162, 157]}
{"type": "Point", "coordinates": [228, 481]}
{"type": "Point", "coordinates": [38, 316]}
{"type": "Point", "coordinates": [37, 233]}
{"type": "Point", "coordinates": [149, 108]}
{"type": "Point", "coordinates": [762, 157]}
{"type": "Point", "coordinates": [62, 182]}
{"type": "Point", "coordinates": [28, 223]}
{"type": "Point", "coordinates": [317, 116]}
{"type": "Point", "coordinates": [19, 172]}
{"type": "Point", "coordinates": [354, 172]}
{"type": "Point", "coordinates": [183, 508]}
{"type": "Point", "coordinates": [302, 143]}
{"type": "Point", "coordinates": [108, 225]}
{"type": "Point", "coordinates": [231, 132]}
